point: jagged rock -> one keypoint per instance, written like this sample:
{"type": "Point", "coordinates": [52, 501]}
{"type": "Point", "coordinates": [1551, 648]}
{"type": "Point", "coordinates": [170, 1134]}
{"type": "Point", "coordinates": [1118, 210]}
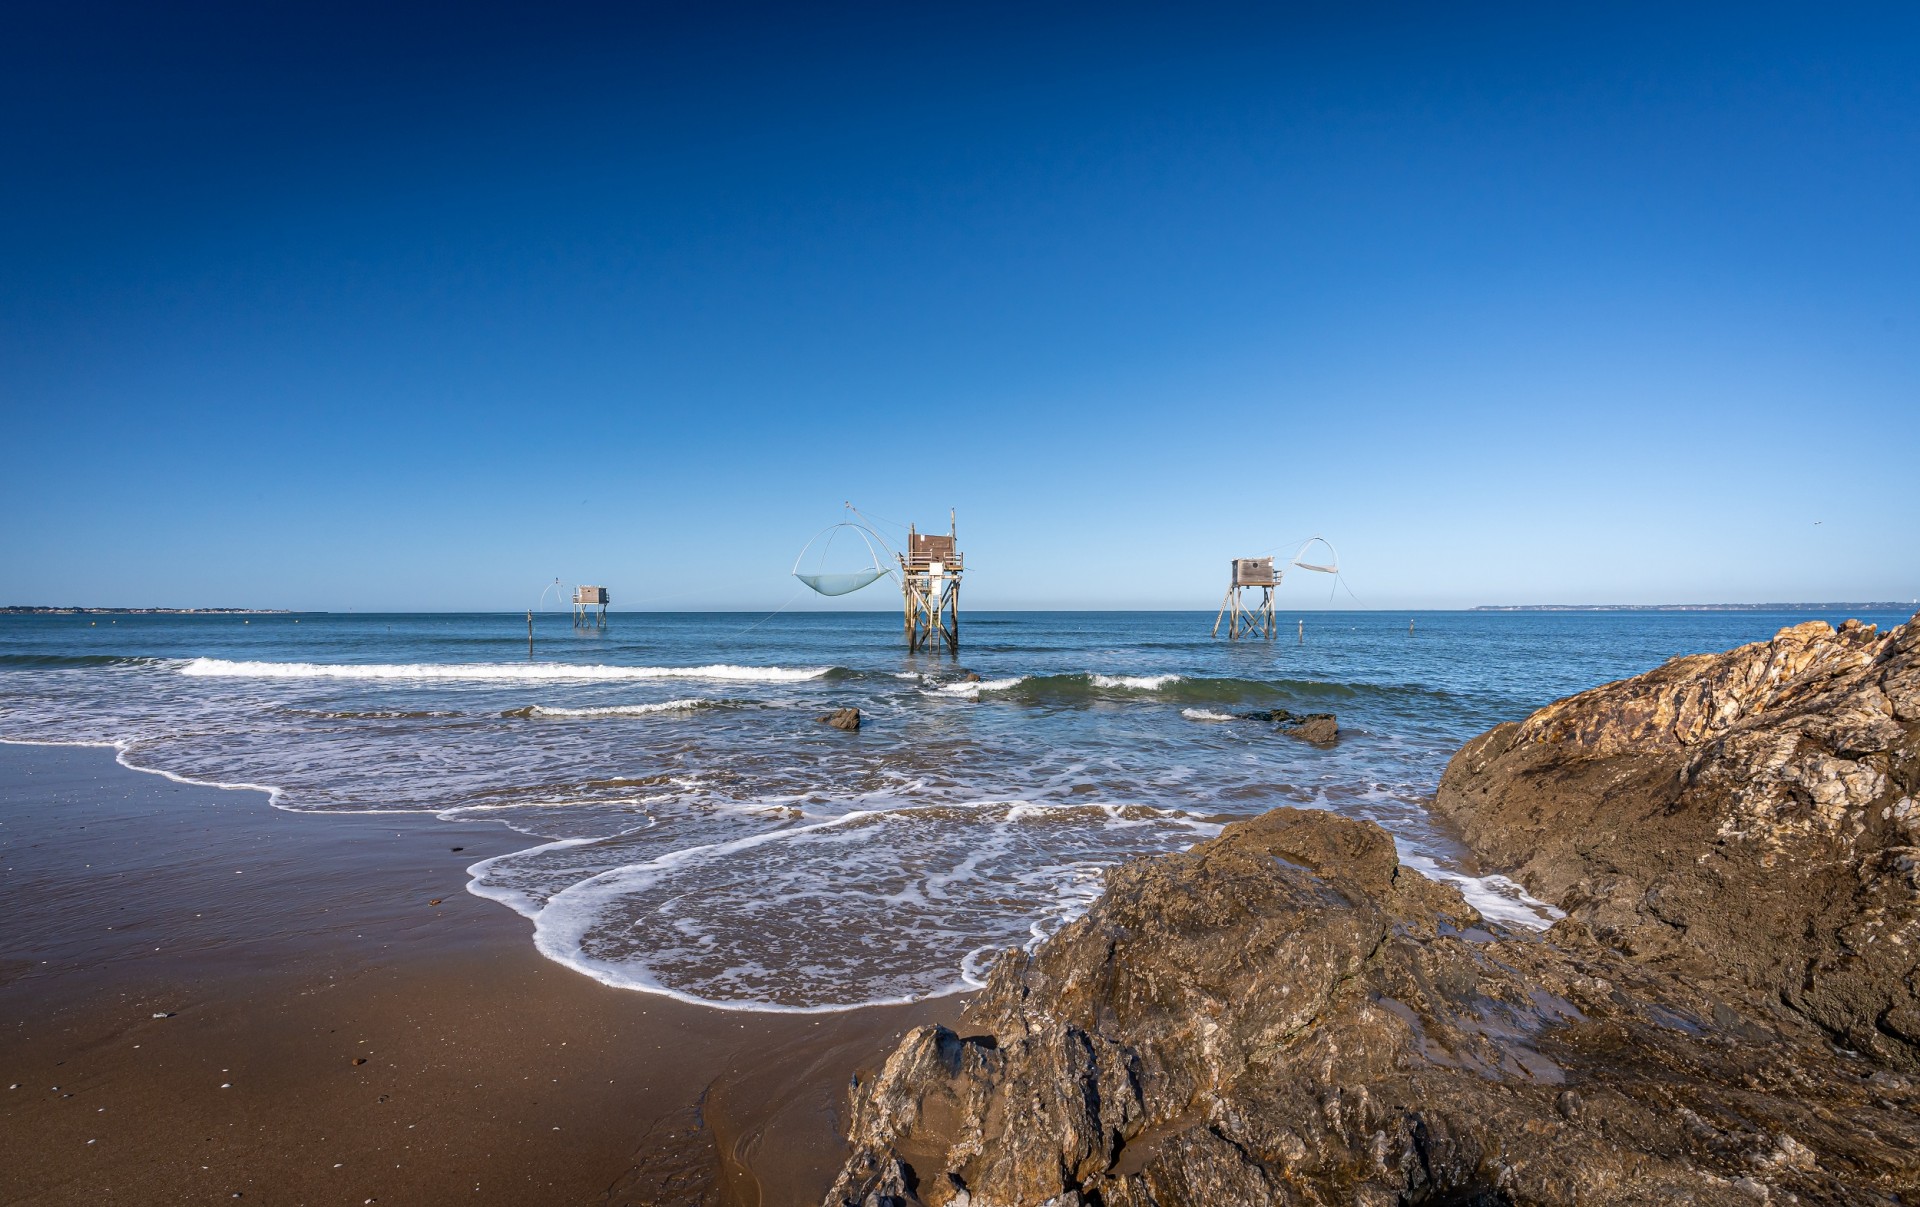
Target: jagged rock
{"type": "Point", "coordinates": [1320, 728]}
{"type": "Point", "coordinates": [1284, 1014]}
{"type": "Point", "coordinates": [1747, 819]}
{"type": "Point", "coordinates": [842, 718]}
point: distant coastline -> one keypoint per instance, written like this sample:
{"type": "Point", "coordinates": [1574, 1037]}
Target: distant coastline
{"type": "Point", "coordinates": [35, 610]}
{"type": "Point", "coordinates": [1719, 607]}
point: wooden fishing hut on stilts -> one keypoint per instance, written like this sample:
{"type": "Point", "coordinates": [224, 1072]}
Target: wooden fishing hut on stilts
{"type": "Point", "coordinates": [589, 608]}
{"type": "Point", "coordinates": [1249, 573]}
{"type": "Point", "coordinates": [930, 570]}
{"type": "Point", "coordinates": [1241, 619]}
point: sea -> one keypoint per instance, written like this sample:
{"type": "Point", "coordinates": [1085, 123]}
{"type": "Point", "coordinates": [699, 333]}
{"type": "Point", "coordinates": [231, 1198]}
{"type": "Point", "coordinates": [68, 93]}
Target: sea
{"type": "Point", "coordinates": [692, 828]}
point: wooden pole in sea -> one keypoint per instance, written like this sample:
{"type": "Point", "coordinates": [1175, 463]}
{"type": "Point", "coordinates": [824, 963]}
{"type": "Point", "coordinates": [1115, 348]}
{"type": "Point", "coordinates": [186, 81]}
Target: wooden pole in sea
{"type": "Point", "coordinates": [1303, 630]}
{"type": "Point", "coordinates": [529, 632]}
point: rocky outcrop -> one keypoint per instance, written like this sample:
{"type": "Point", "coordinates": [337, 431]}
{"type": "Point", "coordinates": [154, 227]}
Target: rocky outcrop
{"type": "Point", "coordinates": [1320, 728]}
{"type": "Point", "coordinates": [1747, 818]}
{"type": "Point", "coordinates": [847, 719]}
{"type": "Point", "coordinates": [1285, 1015]}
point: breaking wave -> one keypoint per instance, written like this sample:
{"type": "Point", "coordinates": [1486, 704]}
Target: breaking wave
{"type": "Point", "coordinates": [493, 672]}
{"type": "Point", "coordinates": [1197, 691]}
{"type": "Point", "coordinates": [1138, 683]}
{"type": "Point", "coordinates": [619, 710]}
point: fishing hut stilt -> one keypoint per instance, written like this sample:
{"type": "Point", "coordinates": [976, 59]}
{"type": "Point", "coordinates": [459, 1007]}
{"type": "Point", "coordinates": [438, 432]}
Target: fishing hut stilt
{"type": "Point", "coordinates": [930, 570]}
{"type": "Point", "coordinates": [1244, 617]}
{"type": "Point", "coordinates": [589, 608]}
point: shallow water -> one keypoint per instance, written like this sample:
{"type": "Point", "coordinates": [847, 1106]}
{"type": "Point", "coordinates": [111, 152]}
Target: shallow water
{"type": "Point", "coordinates": [693, 830]}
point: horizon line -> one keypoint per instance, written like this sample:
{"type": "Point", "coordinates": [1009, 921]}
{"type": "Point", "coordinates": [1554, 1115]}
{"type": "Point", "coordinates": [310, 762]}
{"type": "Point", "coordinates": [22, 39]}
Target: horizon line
{"type": "Point", "coordinates": [1768, 606]}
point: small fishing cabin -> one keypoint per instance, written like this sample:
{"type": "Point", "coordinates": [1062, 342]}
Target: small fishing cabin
{"type": "Point", "coordinates": [1242, 619]}
{"type": "Point", "coordinates": [930, 570]}
{"type": "Point", "coordinates": [590, 606]}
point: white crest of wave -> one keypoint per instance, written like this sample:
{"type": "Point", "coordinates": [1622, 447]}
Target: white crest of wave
{"type": "Point", "coordinates": [621, 710]}
{"type": "Point", "coordinates": [1206, 714]}
{"type": "Point", "coordinates": [491, 672]}
{"type": "Point", "coordinates": [972, 690]}
{"type": "Point", "coordinates": [1139, 683]}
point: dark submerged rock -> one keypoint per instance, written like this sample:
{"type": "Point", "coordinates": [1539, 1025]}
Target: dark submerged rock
{"type": "Point", "coordinates": [1285, 1015]}
{"type": "Point", "coordinates": [1320, 728]}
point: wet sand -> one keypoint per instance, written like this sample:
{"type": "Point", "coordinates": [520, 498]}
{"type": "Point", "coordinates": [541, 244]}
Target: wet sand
{"type": "Point", "coordinates": [344, 1023]}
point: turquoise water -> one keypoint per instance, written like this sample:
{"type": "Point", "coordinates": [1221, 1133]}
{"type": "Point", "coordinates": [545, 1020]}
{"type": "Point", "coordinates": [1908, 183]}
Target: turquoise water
{"type": "Point", "coordinates": [693, 830]}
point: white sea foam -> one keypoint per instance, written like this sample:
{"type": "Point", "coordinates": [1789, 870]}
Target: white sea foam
{"type": "Point", "coordinates": [881, 873]}
{"type": "Point", "coordinates": [492, 672]}
{"type": "Point", "coordinates": [973, 690]}
{"type": "Point", "coordinates": [1138, 683]}
{"type": "Point", "coordinates": [1206, 714]}
{"type": "Point", "coordinates": [1494, 896]}
{"type": "Point", "coordinates": [872, 906]}
{"type": "Point", "coordinates": [624, 710]}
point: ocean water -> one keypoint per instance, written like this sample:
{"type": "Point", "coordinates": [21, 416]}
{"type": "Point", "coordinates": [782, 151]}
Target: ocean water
{"type": "Point", "coordinates": [692, 829]}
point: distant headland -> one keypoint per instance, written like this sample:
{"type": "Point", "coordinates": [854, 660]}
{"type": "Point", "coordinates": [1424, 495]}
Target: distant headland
{"type": "Point", "coordinates": [35, 610]}
{"type": "Point", "coordinates": [1720, 607]}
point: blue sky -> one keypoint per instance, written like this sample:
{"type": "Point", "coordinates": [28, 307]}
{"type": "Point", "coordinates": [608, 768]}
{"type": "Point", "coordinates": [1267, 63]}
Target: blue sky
{"type": "Point", "coordinates": [331, 307]}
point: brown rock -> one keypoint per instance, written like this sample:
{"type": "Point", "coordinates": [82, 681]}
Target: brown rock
{"type": "Point", "coordinates": [1320, 728]}
{"type": "Point", "coordinates": [842, 718]}
{"type": "Point", "coordinates": [1748, 818]}
{"type": "Point", "coordinates": [1285, 1015]}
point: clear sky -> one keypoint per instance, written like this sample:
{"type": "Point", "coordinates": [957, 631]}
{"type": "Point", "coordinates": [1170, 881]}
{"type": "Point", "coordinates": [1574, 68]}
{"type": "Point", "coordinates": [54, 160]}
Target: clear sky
{"type": "Point", "coordinates": [333, 306]}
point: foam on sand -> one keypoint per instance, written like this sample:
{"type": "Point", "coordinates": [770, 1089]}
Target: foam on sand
{"type": "Point", "coordinates": [870, 907]}
{"type": "Point", "coordinates": [492, 672]}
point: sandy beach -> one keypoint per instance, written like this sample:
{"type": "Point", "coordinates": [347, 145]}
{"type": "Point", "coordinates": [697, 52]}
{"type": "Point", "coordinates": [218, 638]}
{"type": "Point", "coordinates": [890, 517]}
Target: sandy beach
{"type": "Point", "coordinates": [203, 998]}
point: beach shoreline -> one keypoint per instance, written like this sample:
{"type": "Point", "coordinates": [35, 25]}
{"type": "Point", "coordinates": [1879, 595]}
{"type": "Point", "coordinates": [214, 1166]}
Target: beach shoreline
{"type": "Point", "coordinates": [237, 1001]}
